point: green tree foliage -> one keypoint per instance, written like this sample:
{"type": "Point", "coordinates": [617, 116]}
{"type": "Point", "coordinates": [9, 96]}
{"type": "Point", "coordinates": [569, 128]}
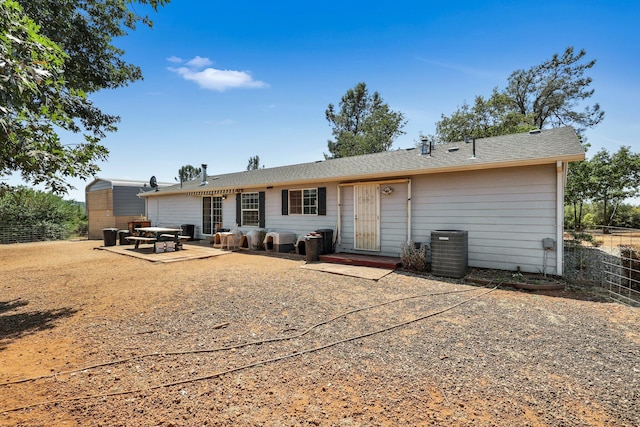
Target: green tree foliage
{"type": "Point", "coordinates": [487, 117]}
{"type": "Point", "coordinates": [364, 124]}
{"type": "Point", "coordinates": [600, 186]}
{"type": "Point", "coordinates": [27, 215]}
{"type": "Point", "coordinates": [53, 55]}
{"type": "Point", "coordinates": [628, 216]}
{"type": "Point", "coordinates": [551, 92]}
{"type": "Point", "coordinates": [546, 95]}
{"type": "Point", "coordinates": [613, 179]}
{"type": "Point", "coordinates": [254, 163]}
{"type": "Point", "coordinates": [579, 190]}
{"type": "Point", "coordinates": [187, 173]}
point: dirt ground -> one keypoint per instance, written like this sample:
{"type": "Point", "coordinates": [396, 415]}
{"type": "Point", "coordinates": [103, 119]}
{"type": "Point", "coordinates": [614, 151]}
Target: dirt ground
{"type": "Point", "coordinates": [93, 338]}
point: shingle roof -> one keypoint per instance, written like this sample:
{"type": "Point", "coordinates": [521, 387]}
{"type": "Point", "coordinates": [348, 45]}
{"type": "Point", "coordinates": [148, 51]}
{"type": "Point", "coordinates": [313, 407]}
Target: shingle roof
{"type": "Point", "coordinates": [538, 147]}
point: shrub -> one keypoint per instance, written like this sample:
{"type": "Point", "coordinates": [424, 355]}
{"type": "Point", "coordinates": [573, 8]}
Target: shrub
{"type": "Point", "coordinates": [414, 256]}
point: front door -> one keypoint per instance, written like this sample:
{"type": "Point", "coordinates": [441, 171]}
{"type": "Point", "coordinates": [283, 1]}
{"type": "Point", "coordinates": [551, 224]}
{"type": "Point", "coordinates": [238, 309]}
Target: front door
{"type": "Point", "coordinates": [367, 216]}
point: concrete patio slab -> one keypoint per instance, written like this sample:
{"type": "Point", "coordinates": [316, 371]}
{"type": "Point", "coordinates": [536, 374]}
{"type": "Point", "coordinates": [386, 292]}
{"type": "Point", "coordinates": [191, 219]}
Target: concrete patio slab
{"type": "Point", "coordinates": [371, 273]}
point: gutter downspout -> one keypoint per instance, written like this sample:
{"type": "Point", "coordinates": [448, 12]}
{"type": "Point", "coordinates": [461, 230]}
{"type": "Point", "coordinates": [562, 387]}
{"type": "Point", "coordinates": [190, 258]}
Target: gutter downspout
{"type": "Point", "coordinates": [409, 211]}
{"type": "Point", "coordinates": [339, 223]}
{"type": "Point", "coordinates": [561, 176]}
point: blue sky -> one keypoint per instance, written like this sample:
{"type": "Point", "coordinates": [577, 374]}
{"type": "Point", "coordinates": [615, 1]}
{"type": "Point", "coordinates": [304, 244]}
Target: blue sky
{"type": "Point", "coordinates": [225, 81]}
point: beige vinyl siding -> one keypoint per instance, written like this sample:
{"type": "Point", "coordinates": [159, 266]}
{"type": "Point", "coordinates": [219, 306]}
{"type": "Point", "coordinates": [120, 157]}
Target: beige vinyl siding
{"type": "Point", "coordinates": [175, 211]}
{"type": "Point", "coordinates": [299, 224]}
{"type": "Point", "coordinates": [507, 213]}
{"type": "Point", "coordinates": [393, 219]}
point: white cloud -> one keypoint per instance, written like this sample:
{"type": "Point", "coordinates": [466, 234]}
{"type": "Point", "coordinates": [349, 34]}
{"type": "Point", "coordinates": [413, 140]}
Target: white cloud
{"type": "Point", "coordinates": [215, 79]}
{"type": "Point", "coordinates": [175, 59]}
{"type": "Point", "coordinates": [199, 62]}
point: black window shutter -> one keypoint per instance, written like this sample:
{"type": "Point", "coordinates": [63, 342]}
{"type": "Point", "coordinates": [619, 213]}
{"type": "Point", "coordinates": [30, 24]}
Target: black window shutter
{"type": "Point", "coordinates": [285, 202]}
{"type": "Point", "coordinates": [238, 209]}
{"type": "Point", "coordinates": [322, 200]}
{"type": "Point", "coordinates": [261, 221]}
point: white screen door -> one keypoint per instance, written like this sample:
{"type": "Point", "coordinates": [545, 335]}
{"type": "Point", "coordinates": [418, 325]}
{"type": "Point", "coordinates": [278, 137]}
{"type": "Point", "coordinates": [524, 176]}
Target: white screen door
{"type": "Point", "coordinates": [367, 217]}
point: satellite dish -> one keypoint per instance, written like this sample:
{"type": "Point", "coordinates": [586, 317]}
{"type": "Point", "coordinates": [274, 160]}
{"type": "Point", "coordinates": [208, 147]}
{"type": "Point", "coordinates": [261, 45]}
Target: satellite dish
{"type": "Point", "coordinates": [153, 183]}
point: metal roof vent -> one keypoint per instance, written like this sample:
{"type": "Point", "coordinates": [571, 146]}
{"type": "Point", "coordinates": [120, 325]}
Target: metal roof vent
{"type": "Point", "coordinates": [425, 147]}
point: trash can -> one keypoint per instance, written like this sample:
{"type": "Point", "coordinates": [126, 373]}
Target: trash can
{"type": "Point", "coordinates": [312, 245]}
{"type": "Point", "coordinates": [122, 237]}
{"type": "Point", "coordinates": [109, 235]}
{"type": "Point", "coordinates": [188, 230]}
{"type": "Point", "coordinates": [327, 239]}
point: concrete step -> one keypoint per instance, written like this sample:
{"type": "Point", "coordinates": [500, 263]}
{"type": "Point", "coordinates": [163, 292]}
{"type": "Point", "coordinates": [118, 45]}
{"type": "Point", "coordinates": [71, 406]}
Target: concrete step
{"type": "Point", "coordinates": [362, 260]}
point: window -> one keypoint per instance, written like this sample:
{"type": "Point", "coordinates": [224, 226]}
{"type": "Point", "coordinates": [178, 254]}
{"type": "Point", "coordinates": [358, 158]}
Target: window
{"type": "Point", "coordinates": [312, 201]}
{"type": "Point", "coordinates": [303, 202]}
{"type": "Point", "coordinates": [211, 214]}
{"type": "Point", "coordinates": [250, 208]}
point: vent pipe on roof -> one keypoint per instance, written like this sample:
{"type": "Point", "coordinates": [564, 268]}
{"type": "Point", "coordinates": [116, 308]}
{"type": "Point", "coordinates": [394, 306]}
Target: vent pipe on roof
{"type": "Point", "coordinates": [466, 140]}
{"type": "Point", "coordinates": [204, 174]}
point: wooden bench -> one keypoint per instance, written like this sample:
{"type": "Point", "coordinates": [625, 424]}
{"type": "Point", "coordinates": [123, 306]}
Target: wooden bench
{"type": "Point", "coordinates": [139, 239]}
{"type": "Point", "coordinates": [172, 237]}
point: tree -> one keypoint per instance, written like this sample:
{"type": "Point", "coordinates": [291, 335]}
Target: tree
{"type": "Point", "coordinates": [53, 54]}
{"type": "Point", "coordinates": [614, 178]}
{"type": "Point", "coordinates": [579, 189]}
{"type": "Point", "coordinates": [254, 163]}
{"type": "Point", "coordinates": [487, 117]}
{"type": "Point", "coordinates": [551, 91]}
{"type": "Point", "coordinates": [364, 124]}
{"type": "Point", "coordinates": [30, 215]}
{"type": "Point", "coordinates": [546, 95]}
{"type": "Point", "coordinates": [187, 173]}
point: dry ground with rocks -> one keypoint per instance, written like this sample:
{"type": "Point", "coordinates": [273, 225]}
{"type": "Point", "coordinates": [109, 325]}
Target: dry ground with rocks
{"type": "Point", "coordinates": [243, 339]}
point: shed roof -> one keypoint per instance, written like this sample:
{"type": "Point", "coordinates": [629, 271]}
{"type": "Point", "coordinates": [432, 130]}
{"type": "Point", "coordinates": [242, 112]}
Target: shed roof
{"type": "Point", "coordinates": [111, 183]}
{"type": "Point", "coordinates": [529, 148]}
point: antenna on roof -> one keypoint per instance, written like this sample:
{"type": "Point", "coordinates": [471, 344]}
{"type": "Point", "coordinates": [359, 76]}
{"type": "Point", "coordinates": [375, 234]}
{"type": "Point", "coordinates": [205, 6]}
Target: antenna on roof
{"type": "Point", "coordinates": [153, 183]}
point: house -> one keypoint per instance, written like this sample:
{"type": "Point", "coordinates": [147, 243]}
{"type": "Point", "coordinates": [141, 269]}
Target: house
{"type": "Point", "coordinates": [112, 203]}
{"type": "Point", "coordinates": [506, 192]}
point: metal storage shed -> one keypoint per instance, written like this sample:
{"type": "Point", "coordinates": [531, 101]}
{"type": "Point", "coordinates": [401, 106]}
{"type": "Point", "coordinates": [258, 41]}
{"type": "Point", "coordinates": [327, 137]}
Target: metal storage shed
{"type": "Point", "coordinates": [112, 203]}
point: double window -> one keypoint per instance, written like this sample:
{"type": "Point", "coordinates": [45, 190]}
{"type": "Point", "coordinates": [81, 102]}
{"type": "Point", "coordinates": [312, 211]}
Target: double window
{"type": "Point", "coordinates": [303, 202]}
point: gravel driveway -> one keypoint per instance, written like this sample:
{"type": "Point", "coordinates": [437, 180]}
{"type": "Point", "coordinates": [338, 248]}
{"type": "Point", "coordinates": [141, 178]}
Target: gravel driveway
{"type": "Point", "coordinates": [246, 339]}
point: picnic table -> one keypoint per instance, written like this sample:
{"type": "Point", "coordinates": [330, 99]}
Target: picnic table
{"type": "Point", "coordinates": [158, 234]}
